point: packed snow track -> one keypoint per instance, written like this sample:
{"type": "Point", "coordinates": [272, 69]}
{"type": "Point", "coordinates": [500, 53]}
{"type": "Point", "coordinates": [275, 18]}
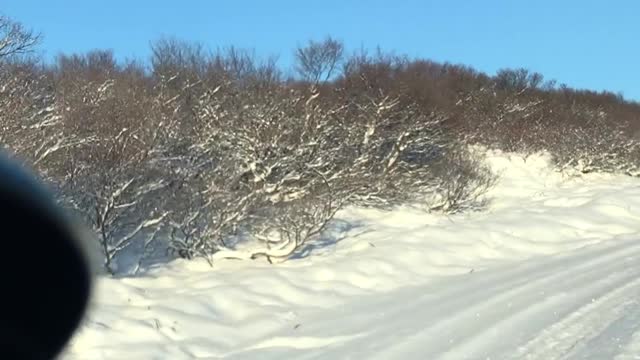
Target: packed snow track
{"type": "Point", "coordinates": [582, 306]}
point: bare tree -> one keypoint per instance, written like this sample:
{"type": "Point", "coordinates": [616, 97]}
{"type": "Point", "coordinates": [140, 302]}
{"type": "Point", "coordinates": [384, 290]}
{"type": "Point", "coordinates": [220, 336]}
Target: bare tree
{"type": "Point", "coordinates": [317, 61]}
{"type": "Point", "coordinates": [171, 57]}
{"type": "Point", "coordinates": [15, 39]}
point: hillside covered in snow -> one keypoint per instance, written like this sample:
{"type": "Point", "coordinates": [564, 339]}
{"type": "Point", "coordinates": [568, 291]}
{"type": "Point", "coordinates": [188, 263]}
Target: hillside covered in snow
{"type": "Point", "coordinates": [550, 270]}
{"type": "Point", "coordinates": [342, 206]}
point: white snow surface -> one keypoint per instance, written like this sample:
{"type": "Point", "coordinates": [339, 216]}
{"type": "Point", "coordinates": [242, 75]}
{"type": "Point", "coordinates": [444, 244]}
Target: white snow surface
{"type": "Point", "coordinates": [551, 270]}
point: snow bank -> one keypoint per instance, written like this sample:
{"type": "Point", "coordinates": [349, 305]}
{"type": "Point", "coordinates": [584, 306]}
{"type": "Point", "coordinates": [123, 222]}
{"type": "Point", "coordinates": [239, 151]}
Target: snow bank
{"type": "Point", "coordinates": [250, 309]}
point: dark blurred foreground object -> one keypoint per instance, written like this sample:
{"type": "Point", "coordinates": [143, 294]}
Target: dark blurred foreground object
{"type": "Point", "coordinates": [44, 266]}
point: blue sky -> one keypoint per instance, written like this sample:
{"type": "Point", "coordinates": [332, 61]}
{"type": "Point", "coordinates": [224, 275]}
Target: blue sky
{"type": "Point", "coordinates": [585, 44]}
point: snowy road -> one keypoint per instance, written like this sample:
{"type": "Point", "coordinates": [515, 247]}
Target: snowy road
{"type": "Point", "coordinates": [582, 306]}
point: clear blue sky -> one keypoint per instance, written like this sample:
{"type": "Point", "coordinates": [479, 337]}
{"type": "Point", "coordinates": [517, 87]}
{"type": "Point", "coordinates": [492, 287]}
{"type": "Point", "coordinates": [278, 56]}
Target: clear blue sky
{"type": "Point", "coordinates": [583, 43]}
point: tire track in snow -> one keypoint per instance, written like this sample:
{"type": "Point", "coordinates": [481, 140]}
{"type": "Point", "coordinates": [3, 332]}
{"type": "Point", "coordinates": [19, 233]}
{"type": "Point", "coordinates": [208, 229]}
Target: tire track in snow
{"type": "Point", "coordinates": [632, 349]}
{"type": "Point", "coordinates": [452, 321]}
{"type": "Point", "coordinates": [617, 339]}
{"type": "Point", "coordinates": [585, 329]}
{"type": "Point", "coordinates": [501, 322]}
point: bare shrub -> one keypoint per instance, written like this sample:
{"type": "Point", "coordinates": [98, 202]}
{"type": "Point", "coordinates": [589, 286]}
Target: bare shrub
{"type": "Point", "coordinates": [108, 176]}
{"type": "Point", "coordinates": [289, 225]}
{"type": "Point", "coordinates": [388, 150]}
{"type": "Point", "coordinates": [270, 176]}
{"type": "Point", "coordinates": [405, 156]}
{"type": "Point", "coordinates": [26, 106]}
{"type": "Point", "coordinates": [463, 179]}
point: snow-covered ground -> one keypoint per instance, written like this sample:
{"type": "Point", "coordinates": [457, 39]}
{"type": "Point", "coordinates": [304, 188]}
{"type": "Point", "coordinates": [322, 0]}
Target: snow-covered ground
{"type": "Point", "coordinates": [551, 270]}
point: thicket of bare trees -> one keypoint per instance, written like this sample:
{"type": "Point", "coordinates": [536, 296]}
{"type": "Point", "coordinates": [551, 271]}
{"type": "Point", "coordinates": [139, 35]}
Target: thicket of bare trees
{"type": "Point", "coordinates": [583, 131]}
{"type": "Point", "coordinates": [215, 151]}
